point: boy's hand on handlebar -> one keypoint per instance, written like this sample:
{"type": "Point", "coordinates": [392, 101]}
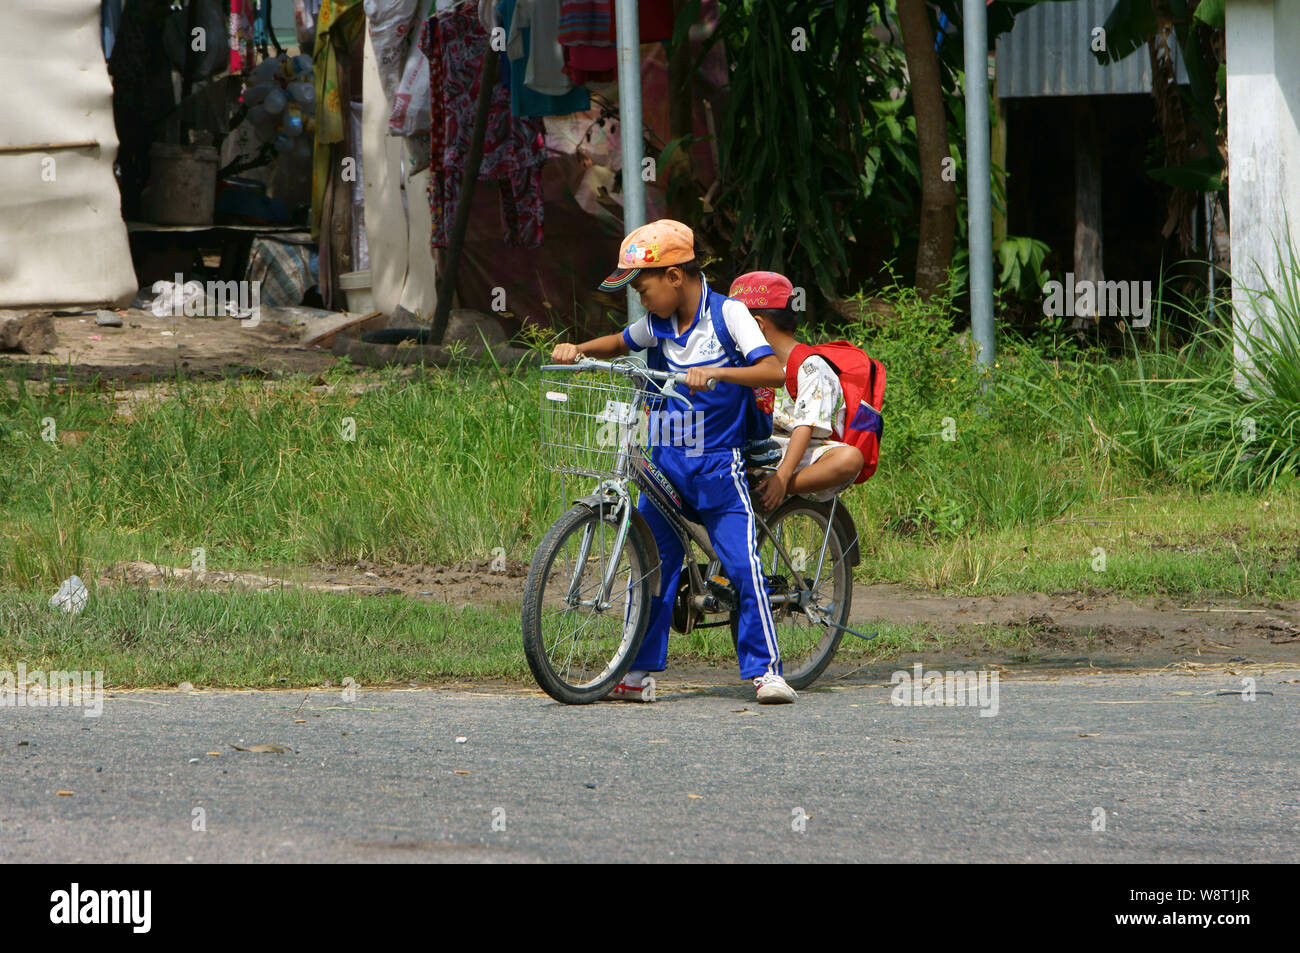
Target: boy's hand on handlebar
{"type": "Point", "coordinates": [697, 378]}
{"type": "Point", "coordinates": [565, 354]}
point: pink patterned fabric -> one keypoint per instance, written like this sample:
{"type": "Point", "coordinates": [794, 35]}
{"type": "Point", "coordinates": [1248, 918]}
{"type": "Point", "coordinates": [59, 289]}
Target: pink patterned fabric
{"type": "Point", "coordinates": [241, 35]}
{"type": "Point", "coordinates": [513, 148]}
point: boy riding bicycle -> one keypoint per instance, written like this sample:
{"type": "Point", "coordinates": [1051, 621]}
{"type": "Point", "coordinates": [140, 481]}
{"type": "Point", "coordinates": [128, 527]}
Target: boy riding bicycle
{"type": "Point", "coordinates": [685, 315]}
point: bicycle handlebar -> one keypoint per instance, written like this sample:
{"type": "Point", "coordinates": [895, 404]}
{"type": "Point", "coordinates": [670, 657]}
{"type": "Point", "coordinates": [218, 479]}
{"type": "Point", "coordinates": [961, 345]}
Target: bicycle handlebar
{"type": "Point", "coordinates": [628, 368]}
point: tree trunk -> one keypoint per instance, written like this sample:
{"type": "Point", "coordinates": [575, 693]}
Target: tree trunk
{"type": "Point", "coordinates": [938, 188]}
{"type": "Point", "coordinates": [1087, 203]}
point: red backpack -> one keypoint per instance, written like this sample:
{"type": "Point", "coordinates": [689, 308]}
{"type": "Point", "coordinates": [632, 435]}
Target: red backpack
{"type": "Point", "coordinates": [863, 381]}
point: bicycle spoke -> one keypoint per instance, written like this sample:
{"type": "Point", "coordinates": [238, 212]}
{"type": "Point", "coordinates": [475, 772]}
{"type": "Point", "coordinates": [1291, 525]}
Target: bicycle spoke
{"type": "Point", "coordinates": [808, 587]}
{"type": "Point", "coordinates": [583, 636]}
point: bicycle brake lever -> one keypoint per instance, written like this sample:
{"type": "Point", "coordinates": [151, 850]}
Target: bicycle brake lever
{"type": "Point", "coordinates": [669, 389]}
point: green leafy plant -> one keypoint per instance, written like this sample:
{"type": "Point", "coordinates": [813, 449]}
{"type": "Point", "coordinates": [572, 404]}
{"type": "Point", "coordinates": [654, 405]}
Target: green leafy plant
{"type": "Point", "coordinates": [798, 175]}
{"type": "Point", "coordinates": [1022, 265]}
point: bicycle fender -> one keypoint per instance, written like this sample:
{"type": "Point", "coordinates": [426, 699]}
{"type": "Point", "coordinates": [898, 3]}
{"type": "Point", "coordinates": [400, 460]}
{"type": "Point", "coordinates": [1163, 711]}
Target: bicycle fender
{"type": "Point", "coordinates": [597, 502]}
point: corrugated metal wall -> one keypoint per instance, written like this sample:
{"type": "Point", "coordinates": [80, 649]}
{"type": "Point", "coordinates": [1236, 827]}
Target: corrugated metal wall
{"type": "Point", "coordinates": [1049, 53]}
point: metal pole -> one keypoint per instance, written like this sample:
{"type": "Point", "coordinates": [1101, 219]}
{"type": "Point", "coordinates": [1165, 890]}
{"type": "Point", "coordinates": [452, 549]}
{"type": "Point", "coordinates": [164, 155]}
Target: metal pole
{"type": "Point", "coordinates": [979, 202]}
{"type": "Point", "coordinates": [1209, 247]}
{"type": "Point", "coordinates": [629, 110]}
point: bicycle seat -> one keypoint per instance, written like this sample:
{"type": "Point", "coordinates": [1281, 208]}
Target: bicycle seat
{"type": "Point", "coordinates": [761, 453]}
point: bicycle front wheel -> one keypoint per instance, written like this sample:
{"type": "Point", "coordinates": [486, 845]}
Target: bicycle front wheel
{"type": "Point", "coordinates": [577, 645]}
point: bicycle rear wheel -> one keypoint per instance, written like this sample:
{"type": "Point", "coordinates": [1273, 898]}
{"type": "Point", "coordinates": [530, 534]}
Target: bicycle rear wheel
{"type": "Point", "coordinates": [579, 650]}
{"type": "Point", "coordinates": [807, 646]}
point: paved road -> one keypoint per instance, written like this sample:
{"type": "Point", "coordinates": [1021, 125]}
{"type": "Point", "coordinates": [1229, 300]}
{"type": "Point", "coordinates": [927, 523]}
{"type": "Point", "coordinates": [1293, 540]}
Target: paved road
{"type": "Point", "coordinates": [705, 774]}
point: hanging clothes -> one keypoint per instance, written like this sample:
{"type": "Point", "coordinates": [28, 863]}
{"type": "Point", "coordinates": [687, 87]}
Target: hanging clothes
{"type": "Point", "coordinates": [585, 64]}
{"type": "Point", "coordinates": [589, 35]}
{"type": "Point", "coordinates": [513, 148]}
{"type": "Point", "coordinates": [241, 35]}
{"type": "Point", "coordinates": [304, 23]}
{"type": "Point", "coordinates": [591, 22]}
{"type": "Point", "coordinates": [338, 24]}
{"type": "Point", "coordinates": [525, 99]}
{"type": "Point", "coordinates": [586, 27]}
{"type": "Point", "coordinates": [586, 23]}
{"type": "Point", "coordinates": [533, 32]}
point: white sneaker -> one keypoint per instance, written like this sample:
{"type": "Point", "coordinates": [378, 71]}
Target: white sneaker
{"type": "Point", "coordinates": [633, 689]}
{"type": "Point", "coordinates": [773, 690]}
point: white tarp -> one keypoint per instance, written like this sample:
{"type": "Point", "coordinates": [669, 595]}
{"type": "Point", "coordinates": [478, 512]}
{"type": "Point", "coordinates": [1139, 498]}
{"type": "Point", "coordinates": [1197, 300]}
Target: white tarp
{"type": "Point", "coordinates": [62, 238]}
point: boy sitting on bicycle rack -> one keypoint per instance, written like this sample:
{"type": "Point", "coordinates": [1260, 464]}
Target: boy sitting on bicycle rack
{"type": "Point", "coordinates": [808, 421]}
{"type": "Point", "coordinates": [681, 335]}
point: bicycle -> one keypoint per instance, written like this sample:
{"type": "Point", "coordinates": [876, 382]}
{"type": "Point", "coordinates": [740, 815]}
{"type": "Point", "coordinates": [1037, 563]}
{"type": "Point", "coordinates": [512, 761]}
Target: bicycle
{"type": "Point", "coordinates": [589, 592]}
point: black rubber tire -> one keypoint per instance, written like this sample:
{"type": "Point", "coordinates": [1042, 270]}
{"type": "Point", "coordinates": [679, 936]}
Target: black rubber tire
{"type": "Point", "coordinates": [643, 555]}
{"type": "Point", "coordinates": [812, 669]}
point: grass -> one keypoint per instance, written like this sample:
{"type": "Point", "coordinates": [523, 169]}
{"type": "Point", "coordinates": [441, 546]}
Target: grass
{"type": "Point", "coordinates": [292, 638]}
{"type": "Point", "coordinates": [442, 469]}
{"type": "Point", "coordinates": [259, 640]}
{"type": "Point", "coordinates": [430, 470]}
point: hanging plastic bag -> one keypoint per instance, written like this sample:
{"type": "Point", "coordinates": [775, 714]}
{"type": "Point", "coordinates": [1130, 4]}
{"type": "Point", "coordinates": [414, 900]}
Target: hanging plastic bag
{"type": "Point", "coordinates": [391, 22]}
{"type": "Point", "coordinates": [412, 104]}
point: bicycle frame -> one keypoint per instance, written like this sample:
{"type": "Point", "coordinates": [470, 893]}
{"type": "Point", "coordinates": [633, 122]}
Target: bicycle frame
{"type": "Point", "coordinates": [652, 482]}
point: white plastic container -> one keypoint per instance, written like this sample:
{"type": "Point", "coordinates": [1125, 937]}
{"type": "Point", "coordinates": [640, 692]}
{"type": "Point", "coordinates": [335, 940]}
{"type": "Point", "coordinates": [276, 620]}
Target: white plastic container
{"type": "Point", "coordinates": [355, 286]}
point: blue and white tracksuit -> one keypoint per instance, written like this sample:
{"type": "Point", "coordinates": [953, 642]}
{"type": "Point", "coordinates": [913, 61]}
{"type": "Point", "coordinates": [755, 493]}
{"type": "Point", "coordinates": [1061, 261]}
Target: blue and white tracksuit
{"type": "Point", "coordinates": [708, 472]}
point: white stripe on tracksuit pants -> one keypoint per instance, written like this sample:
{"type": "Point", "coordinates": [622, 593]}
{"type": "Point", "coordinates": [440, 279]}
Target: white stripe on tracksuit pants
{"type": "Point", "coordinates": [713, 485]}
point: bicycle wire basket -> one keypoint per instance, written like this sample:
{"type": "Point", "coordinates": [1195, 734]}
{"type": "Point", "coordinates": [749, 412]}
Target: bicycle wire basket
{"type": "Point", "coordinates": [587, 417]}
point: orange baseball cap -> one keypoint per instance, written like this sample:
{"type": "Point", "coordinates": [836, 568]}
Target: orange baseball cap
{"type": "Point", "coordinates": [762, 289]}
{"type": "Point", "coordinates": [656, 245]}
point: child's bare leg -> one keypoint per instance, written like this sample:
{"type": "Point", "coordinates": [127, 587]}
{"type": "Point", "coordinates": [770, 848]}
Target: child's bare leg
{"type": "Point", "coordinates": [834, 468]}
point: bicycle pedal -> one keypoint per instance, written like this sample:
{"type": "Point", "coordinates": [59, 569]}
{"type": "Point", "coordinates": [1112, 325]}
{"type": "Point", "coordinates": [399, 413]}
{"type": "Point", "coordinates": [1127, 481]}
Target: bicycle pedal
{"type": "Point", "coordinates": [719, 595]}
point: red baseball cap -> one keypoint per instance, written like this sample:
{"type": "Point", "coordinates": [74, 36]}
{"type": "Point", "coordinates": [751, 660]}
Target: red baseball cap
{"type": "Point", "coordinates": [762, 289]}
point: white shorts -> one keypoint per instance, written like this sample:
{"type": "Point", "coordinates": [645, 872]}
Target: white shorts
{"type": "Point", "coordinates": [814, 452]}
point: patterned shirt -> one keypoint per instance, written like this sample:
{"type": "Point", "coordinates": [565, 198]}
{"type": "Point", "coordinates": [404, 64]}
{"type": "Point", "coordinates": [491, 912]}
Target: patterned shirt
{"type": "Point", "coordinates": [820, 404]}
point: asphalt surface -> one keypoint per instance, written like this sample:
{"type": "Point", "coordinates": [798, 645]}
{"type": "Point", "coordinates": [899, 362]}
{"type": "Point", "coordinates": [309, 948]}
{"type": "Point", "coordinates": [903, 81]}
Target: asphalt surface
{"type": "Point", "coordinates": [1182, 774]}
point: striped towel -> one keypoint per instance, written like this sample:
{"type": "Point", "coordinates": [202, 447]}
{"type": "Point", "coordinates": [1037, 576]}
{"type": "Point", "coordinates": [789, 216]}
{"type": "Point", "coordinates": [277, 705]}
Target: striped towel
{"type": "Point", "coordinates": [284, 268]}
{"type": "Point", "coordinates": [586, 23]}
